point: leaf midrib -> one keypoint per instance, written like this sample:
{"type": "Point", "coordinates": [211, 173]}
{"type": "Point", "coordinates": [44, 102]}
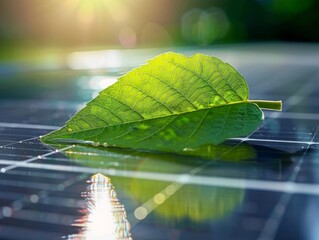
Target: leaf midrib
{"type": "Point", "coordinates": [142, 120]}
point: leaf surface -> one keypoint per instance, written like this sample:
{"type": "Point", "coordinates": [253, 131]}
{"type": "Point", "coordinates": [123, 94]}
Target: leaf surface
{"type": "Point", "coordinates": [168, 104]}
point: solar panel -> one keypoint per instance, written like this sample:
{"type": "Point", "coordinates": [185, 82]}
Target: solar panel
{"type": "Point", "coordinates": [263, 186]}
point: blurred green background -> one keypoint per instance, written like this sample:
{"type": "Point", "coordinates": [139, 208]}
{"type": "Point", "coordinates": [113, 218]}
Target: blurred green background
{"type": "Point", "coordinates": [30, 28]}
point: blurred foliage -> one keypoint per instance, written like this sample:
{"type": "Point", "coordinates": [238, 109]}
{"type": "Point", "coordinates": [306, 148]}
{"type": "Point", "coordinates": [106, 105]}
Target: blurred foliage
{"type": "Point", "coordinates": [142, 23]}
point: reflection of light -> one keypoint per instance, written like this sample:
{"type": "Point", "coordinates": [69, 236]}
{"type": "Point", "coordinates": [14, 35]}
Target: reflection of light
{"type": "Point", "coordinates": [7, 211]}
{"type": "Point", "coordinates": [140, 213]}
{"type": "Point", "coordinates": [159, 198]}
{"type": "Point", "coordinates": [127, 37]}
{"type": "Point", "coordinates": [106, 217]}
{"type": "Point", "coordinates": [94, 60]}
{"type": "Point", "coordinates": [91, 10]}
{"type": "Point", "coordinates": [86, 12]}
{"type": "Point", "coordinates": [95, 82]}
{"type": "Point", "coordinates": [118, 10]}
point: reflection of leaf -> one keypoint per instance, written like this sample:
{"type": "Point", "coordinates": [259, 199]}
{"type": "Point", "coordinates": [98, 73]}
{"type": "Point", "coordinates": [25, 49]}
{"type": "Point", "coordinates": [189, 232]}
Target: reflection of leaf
{"type": "Point", "coordinates": [223, 152]}
{"type": "Point", "coordinates": [170, 103]}
{"type": "Point", "coordinates": [197, 203]}
{"type": "Point", "coordinates": [175, 201]}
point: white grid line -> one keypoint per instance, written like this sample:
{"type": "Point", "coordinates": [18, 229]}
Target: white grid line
{"type": "Point", "coordinates": [242, 183]}
{"type": "Point", "coordinates": [27, 125]}
{"type": "Point", "coordinates": [273, 222]}
{"type": "Point", "coordinates": [23, 163]}
{"type": "Point", "coordinates": [289, 187]}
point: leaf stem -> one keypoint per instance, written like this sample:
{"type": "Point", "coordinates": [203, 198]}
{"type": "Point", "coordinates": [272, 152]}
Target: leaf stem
{"type": "Point", "coordinates": [269, 105]}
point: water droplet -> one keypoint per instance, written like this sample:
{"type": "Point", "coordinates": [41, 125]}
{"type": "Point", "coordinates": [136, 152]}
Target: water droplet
{"type": "Point", "coordinates": [105, 144]}
{"type": "Point", "coordinates": [69, 129]}
{"type": "Point", "coordinates": [96, 144]}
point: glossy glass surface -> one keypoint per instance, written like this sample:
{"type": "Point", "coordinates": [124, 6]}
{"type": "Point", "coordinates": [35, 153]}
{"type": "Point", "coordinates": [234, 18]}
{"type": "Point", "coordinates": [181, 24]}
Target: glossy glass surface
{"type": "Point", "coordinates": [263, 186]}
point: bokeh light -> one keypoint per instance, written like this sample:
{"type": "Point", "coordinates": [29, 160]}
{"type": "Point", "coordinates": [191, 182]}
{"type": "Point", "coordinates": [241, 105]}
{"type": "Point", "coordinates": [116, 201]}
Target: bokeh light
{"type": "Point", "coordinates": [127, 37]}
{"type": "Point", "coordinates": [203, 27]}
{"type": "Point", "coordinates": [35, 29]}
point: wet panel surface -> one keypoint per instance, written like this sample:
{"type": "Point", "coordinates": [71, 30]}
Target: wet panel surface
{"type": "Point", "coordinates": [248, 188]}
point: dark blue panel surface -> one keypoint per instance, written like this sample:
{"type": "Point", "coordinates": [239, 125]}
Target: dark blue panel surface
{"type": "Point", "coordinates": [263, 186]}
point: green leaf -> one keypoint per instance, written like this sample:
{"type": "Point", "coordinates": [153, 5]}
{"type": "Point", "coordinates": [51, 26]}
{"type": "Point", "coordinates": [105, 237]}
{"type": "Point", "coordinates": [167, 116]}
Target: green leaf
{"type": "Point", "coordinates": [170, 103]}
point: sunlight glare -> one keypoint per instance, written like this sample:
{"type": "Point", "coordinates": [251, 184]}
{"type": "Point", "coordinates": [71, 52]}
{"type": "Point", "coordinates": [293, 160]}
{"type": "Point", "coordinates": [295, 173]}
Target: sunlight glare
{"type": "Point", "coordinates": [94, 60]}
{"type": "Point", "coordinates": [88, 11]}
{"type": "Point", "coordinates": [105, 216]}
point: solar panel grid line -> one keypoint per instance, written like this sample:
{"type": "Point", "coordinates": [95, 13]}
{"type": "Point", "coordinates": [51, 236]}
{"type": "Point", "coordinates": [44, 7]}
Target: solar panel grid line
{"type": "Point", "coordinates": [19, 164]}
{"type": "Point", "coordinates": [46, 217]}
{"type": "Point", "coordinates": [24, 148]}
{"type": "Point", "coordinates": [62, 201]}
{"type": "Point", "coordinates": [59, 164]}
{"type": "Point", "coordinates": [274, 141]}
{"type": "Point", "coordinates": [272, 224]}
{"type": "Point", "coordinates": [295, 115]}
{"type": "Point", "coordinates": [17, 157]}
{"type": "Point", "coordinates": [13, 142]}
{"type": "Point", "coordinates": [22, 233]}
{"type": "Point", "coordinates": [179, 184]}
{"type": "Point", "coordinates": [234, 139]}
{"type": "Point", "coordinates": [56, 176]}
{"type": "Point", "coordinates": [267, 185]}
{"type": "Point", "coordinates": [20, 203]}
{"type": "Point", "coordinates": [27, 125]}
{"type": "Point", "coordinates": [304, 89]}
{"type": "Point", "coordinates": [27, 184]}
{"type": "Point", "coordinates": [4, 162]}
{"type": "Point", "coordinates": [193, 172]}
{"type": "Point", "coordinates": [9, 135]}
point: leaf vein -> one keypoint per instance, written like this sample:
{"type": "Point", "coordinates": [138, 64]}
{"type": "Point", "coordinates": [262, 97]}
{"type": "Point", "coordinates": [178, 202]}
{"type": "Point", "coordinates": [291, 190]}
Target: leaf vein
{"type": "Point", "coordinates": [153, 98]}
{"type": "Point", "coordinates": [199, 124]}
{"type": "Point", "coordinates": [109, 110]}
{"type": "Point", "coordinates": [124, 104]}
{"type": "Point", "coordinates": [172, 87]}
{"type": "Point", "coordinates": [199, 77]}
{"type": "Point", "coordinates": [157, 131]}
